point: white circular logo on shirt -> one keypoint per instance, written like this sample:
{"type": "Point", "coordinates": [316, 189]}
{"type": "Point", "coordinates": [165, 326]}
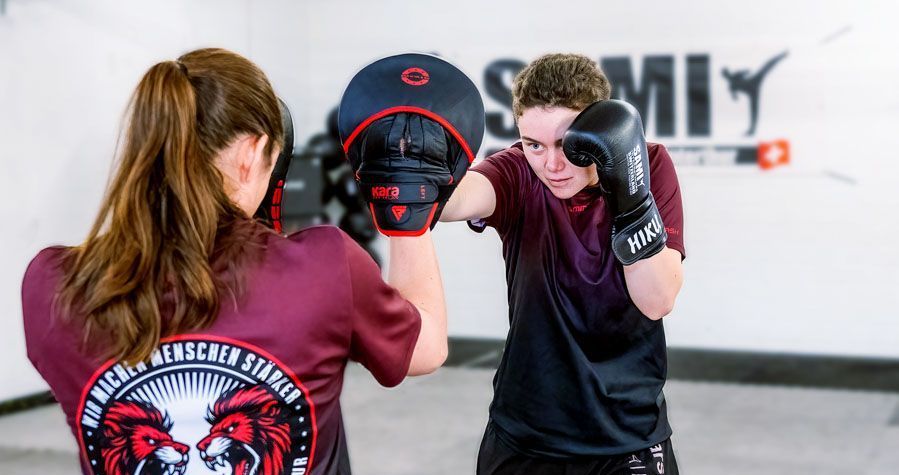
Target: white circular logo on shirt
{"type": "Point", "coordinates": [202, 404]}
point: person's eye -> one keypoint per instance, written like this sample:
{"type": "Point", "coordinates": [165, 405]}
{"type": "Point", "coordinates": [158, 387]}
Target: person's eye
{"type": "Point", "coordinates": [535, 146]}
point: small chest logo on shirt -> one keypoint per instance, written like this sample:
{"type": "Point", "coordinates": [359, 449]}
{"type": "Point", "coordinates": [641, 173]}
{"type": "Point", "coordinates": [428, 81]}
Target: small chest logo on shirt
{"type": "Point", "coordinates": [577, 208]}
{"type": "Point", "coordinates": [202, 404]}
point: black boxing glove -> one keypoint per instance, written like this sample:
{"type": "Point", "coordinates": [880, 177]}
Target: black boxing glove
{"type": "Point", "coordinates": [610, 134]}
{"type": "Point", "coordinates": [403, 168]}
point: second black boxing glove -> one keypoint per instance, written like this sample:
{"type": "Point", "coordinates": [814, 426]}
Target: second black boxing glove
{"type": "Point", "coordinates": [610, 134]}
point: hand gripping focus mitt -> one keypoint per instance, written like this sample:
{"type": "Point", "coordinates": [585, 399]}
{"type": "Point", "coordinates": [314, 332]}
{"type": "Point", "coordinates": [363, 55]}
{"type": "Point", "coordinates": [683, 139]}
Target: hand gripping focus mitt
{"type": "Point", "coordinates": [269, 210]}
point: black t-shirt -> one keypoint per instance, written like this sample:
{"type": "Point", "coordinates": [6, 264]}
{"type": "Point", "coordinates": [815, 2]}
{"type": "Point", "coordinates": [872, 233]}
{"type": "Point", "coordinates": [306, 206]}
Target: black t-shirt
{"type": "Point", "coordinates": [583, 368]}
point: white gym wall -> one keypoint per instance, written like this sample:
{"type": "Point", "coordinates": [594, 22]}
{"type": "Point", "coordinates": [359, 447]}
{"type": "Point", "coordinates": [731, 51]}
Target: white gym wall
{"type": "Point", "coordinates": [797, 259]}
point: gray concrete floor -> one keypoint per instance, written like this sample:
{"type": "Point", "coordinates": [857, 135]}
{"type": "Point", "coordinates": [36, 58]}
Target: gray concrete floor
{"type": "Point", "coordinates": [433, 424]}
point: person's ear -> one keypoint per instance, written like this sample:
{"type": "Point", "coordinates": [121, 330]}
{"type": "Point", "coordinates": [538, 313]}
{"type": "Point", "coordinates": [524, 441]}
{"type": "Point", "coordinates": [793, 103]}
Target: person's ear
{"type": "Point", "coordinates": [259, 145]}
{"type": "Point", "coordinates": [250, 154]}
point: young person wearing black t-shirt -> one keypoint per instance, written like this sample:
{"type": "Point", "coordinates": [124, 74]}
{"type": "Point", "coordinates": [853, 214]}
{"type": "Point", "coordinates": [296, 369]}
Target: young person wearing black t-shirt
{"type": "Point", "coordinates": [593, 253]}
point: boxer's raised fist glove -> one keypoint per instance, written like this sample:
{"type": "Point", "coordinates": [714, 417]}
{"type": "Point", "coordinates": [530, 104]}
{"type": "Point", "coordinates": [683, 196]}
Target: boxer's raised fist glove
{"type": "Point", "coordinates": [610, 134]}
{"type": "Point", "coordinates": [404, 173]}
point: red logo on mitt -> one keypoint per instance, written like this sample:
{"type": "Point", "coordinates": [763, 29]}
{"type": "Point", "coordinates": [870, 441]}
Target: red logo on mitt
{"type": "Point", "coordinates": [385, 192]}
{"type": "Point", "coordinates": [416, 77]}
{"type": "Point", "coordinates": [398, 212]}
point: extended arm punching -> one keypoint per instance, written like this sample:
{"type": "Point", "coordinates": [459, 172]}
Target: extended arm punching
{"type": "Point", "coordinates": [474, 199]}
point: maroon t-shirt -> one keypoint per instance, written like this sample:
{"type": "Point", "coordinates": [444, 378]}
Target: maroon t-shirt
{"type": "Point", "coordinates": [257, 392]}
{"type": "Point", "coordinates": [583, 369]}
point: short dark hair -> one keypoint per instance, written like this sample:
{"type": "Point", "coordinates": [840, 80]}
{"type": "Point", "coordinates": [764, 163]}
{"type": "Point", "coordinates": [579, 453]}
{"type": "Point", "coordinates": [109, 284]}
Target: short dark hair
{"type": "Point", "coordinates": [559, 80]}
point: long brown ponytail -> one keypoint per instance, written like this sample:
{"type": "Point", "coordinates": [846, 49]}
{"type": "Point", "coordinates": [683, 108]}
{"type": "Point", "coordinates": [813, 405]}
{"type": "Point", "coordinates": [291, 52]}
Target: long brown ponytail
{"type": "Point", "coordinates": [166, 218]}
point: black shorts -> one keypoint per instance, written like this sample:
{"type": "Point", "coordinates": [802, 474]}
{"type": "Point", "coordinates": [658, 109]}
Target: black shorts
{"type": "Point", "coordinates": [497, 458]}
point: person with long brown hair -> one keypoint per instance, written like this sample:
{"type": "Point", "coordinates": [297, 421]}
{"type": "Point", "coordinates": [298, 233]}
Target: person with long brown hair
{"type": "Point", "coordinates": [184, 336]}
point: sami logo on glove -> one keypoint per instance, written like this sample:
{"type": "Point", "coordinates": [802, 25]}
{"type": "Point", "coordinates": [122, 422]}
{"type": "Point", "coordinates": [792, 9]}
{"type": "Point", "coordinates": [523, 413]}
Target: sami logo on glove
{"type": "Point", "coordinates": [385, 193]}
{"type": "Point", "coordinates": [416, 77]}
{"type": "Point", "coordinates": [635, 170]}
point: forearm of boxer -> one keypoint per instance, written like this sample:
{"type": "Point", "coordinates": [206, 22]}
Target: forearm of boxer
{"type": "Point", "coordinates": [610, 134]}
{"type": "Point", "coordinates": [653, 283]}
{"type": "Point", "coordinates": [414, 271]}
{"type": "Point", "coordinates": [474, 198]}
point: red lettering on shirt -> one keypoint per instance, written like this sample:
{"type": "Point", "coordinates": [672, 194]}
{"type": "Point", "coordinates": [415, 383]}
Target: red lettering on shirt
{"type": "Point", "coordinates": [577, 208]}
